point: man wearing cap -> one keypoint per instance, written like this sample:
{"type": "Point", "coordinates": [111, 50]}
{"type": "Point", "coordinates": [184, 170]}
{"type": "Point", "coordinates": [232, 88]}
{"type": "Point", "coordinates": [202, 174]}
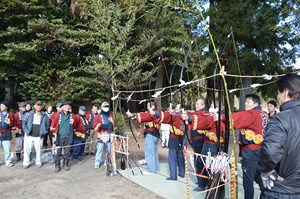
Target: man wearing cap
{"type": "Point", "coordinates": [19, 117]}
{"type": "Point", "coordinates": [6, 124]}
{"type": "Point", "coordinates": [63, 128]}
{"type": "Point", "coordinates": [81, 129]}
{"type": "Point", "coordinates": [35, 126]}
{"type": "Point", "coordinates": [91, 145]}
{"type": "Point", "coordinates": [48, 111]}
{"type": "Point", "coordinates": [104, 124]}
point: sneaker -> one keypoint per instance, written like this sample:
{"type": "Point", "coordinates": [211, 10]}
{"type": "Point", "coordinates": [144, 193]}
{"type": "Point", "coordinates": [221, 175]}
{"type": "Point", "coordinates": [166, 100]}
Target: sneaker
{"type": "Point", "coordinates": [105, 164]}
{"type": "Point", "coordinates": [97, 166]}
{"type": "Point", "coordinates": [39, 165]}
{"type": "Point", "coordinates": [25, 166]}
{"type": "Point", "coordinates": [9, 164]}
{"type": "Point", "coordinates": [147, 173]}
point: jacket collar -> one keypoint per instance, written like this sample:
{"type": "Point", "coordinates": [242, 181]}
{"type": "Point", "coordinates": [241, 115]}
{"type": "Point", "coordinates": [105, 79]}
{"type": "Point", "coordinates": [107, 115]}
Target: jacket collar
{"type": "Point", "coordinates": [289, 104]}
{"type": "Point", "coordinates": [257, 108]}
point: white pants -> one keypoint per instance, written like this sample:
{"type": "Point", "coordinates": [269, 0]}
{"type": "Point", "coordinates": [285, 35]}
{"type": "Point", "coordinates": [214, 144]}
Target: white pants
{"type": "Point", "coordinates": [30, 141]}
{"type": "Point", "coordinates": [165, 137]}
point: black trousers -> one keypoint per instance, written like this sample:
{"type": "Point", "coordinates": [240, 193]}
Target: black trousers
{"type": "Point", "coordinates": [47, 135]}
{"type": "Point", "coordinates": [63, 152]}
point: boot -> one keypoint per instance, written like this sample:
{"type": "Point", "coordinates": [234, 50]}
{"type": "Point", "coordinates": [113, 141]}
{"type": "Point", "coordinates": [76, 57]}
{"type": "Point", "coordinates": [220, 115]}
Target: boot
{"type": "Point", "coordinates": [57, 166]}
{"type": "Point", "coordinates": [66, 164]}
{"type": "Point", "coordinates": [18, 154]}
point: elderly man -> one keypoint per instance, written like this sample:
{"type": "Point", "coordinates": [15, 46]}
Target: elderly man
{"type": "Point", "coordinates": [62, 125]}
{"type": "Point", "coordinates": [35, 126]}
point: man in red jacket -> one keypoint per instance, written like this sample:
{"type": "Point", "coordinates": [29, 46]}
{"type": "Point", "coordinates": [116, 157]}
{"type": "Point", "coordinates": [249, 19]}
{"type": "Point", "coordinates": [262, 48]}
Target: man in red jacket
{"type": "Point", "coordinates": [81, 130]}
{"type": "Point", "coordinates": [62, 127]}
{"type": "Point", "coordinates": [19, 117]}
{"type": "Point", "coordinates": [151, 134]}
{"type": "Point", "coordinates": [251, 122]}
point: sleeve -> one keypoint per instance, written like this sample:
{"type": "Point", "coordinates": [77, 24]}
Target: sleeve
{"type": "Point", "coordinates": [273, 145]}
{"type": "Point", "coordinates": [18, 123]}
{"type": "Point", "coordinates": [76, 122]}
{"type": "Point", "coordinates": [143, 117]}
{"type": "Point", "coordinates": [12, 119]}
{"type": "Point", "coordinates": [53, 122]}
{"type": "Point", "coordinates": [24, 124]}
{"type": "Point", "coordinates": [243, 119]}
{"type": "Point", "coordinates": [97, 123]}
{"type": "Point", "coordinates": [47, 122]}
{"type": "Point", "coordinates": [163, 117]}
{"type": "Point", "coordinates": [200, 122]}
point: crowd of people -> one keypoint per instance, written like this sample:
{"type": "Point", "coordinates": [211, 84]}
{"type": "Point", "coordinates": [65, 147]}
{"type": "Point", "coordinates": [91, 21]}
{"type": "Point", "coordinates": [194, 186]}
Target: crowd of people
{"type": "Point", "coordinates": [269, 141]}
{"type": "Point", "coordinates": [70, 135]}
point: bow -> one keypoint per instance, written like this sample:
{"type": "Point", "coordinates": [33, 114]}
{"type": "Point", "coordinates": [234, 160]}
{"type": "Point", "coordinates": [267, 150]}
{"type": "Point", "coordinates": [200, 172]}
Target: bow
{"type": "Point", "coordinates": [181, 95]}
{"type": "Point", "coordinates": [129, 120]}
{"type": "Point", "coordinates": [170, 84]}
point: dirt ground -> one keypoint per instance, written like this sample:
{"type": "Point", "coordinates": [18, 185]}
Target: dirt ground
{"type": "Point", "coordinates": [81, 181]}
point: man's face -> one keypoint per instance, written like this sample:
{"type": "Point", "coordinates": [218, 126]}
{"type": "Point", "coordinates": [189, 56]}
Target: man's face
{"type": "Point", "coordinates": [58, 109]}
{"type": "Point", "coordinates": [94, 109]}
{"type": "Point", "coordinates": [3, 107]}
{"type": "Point", "coordinates": [81, 112]}
{"type": "Point", "coordinates": [22, 108]}
{"type": "Point", "coordinates": [199, 105]}
{"type": "Point", "coordinates": [66, 108]}
{"type": "Point", "coordinates": [49, 110]}
{"type": "Point", "coordinates": [38, 107]}
{"type": "Point", "coordinates": [271, 108]}
{"type": "Point", "coordinates": [250, 104]}
{"type": "Point", "coordinates": [283, 97]}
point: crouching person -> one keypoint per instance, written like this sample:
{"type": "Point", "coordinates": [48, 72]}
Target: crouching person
{"type": "Point", "coordinates": [62, 126]}
{"type": "Point", "coordinates": [35, 126]}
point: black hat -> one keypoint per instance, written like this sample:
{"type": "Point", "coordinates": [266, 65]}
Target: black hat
{"type": "Point", "coordinates": [64, 103]}
{"type": "Point", "coordinates": [21, 104]}
{"type": "Point", "coordinates": [5, 103]}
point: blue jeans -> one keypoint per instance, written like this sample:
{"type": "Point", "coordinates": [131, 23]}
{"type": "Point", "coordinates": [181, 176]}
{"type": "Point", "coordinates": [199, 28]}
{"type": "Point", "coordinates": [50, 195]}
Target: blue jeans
{"type": "Point", "coordinates": [6, 145]}
{"type": "Point", "coordinates": [176, 160]}
{"type": "Point", "coordinates": [151, 153]}
{"type": "Point", "coordinates": [99, 152]}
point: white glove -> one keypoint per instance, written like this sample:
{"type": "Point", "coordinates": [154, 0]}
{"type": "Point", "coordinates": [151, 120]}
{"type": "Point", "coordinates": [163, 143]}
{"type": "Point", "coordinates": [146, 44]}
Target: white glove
{"type": "Point", "coordinates": [269, 178]}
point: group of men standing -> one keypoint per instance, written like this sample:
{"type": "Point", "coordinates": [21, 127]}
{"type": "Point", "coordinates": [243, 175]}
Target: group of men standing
{"type": "Point", "coordinates": [265, 148]}
{"type": "Point", "coordinates": [269, 142]}
{"type": "Point", "coordinates": [68, 132]}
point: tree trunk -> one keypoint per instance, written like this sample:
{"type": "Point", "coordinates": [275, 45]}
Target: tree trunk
{"type": "Point", "coordinates": [159, 84]}
{"type": "Point", "coordinates": [246, 83]}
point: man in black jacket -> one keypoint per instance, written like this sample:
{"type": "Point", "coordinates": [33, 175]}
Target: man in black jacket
{"type": "Point", "coordinates": [280, 154]}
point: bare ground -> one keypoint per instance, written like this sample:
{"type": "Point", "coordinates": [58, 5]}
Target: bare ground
{"type": "Point", "coordinates": [81, 181]}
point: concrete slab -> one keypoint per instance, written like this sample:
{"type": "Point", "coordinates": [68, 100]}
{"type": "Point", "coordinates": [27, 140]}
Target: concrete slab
{"type": "Point", "coordinates": [158, 184]}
